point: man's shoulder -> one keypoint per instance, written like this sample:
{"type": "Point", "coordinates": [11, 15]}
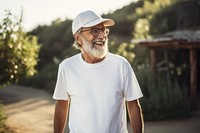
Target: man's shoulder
{"type": "Point", "coordinates": [70, 61]}
{"type": "Point", "coordinates": [117, 58]}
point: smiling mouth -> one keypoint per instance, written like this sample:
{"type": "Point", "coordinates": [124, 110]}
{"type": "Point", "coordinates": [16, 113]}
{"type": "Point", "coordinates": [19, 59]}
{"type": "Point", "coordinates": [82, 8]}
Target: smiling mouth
{"type": "Point", "coordinates": [100, 43]}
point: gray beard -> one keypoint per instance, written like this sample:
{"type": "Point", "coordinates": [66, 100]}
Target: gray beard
{"type": "Point", "coordinates": [92, 50]}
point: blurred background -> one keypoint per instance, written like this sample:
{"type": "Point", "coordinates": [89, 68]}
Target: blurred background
{"type": "Point", "coordinates": [160, 39]}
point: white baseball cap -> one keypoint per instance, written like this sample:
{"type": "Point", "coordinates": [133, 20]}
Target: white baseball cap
{"type": "Point", "coordinates": [88, 19]}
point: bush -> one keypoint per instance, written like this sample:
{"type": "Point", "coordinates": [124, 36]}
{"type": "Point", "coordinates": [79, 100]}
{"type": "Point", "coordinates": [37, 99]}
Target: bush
{"type": "Point", "coordinates": [2, 118]}
{"type": "Point", "coordinates": [161, 100]}
{"type": "Point", "coordinates": [18, 51]}
{"type": "Point", "coordinates": [45, 79]}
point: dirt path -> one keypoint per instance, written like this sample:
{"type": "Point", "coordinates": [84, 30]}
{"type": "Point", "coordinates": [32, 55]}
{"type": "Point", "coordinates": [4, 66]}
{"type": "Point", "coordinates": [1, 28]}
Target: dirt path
{"type": "Point", "coordinates": [31, 110]}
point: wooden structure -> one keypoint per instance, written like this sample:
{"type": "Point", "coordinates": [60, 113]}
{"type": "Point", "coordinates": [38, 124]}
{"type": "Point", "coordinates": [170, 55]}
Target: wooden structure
{"type": "Point", "coordinates": [186, 39]}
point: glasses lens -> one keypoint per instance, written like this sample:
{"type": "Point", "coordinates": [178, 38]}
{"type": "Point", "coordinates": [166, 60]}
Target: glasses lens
{"type": "Point", "coordinates": [96, 31]}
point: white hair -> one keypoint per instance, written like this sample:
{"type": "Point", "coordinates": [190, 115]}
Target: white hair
{"type": "Point", "coordinates": [76, 45]}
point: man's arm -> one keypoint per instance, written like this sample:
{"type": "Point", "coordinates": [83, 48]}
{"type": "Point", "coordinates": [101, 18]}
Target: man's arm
{"type": "Point", "coordinates": [60, 116]}
{"type": "Point", "coordinates": [135, 115]}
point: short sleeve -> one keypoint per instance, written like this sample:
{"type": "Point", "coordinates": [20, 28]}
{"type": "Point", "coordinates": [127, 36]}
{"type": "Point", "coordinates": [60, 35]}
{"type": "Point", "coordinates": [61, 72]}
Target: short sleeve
{"type": "Point", "coordinates": [60, 92]}
{"type": "Point", "coordinates": [132, 89]}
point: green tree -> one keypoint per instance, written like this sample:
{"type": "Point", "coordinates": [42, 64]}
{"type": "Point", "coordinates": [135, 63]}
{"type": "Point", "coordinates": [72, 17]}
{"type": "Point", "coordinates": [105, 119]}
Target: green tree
{"type": "Point", "coordinates": [18, 51]}
{"type": "Point", "coordinates": [56, 41]}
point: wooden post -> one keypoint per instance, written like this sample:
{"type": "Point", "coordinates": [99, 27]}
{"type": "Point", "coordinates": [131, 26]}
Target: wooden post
{"type": "Point", "coordinates": [153, 61]}
{"type": "Point", "coordinates": [193, 79]}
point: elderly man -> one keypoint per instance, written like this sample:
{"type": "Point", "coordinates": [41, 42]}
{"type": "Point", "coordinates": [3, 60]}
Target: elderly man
{"type": "Point", "coordinates": [94, 85]}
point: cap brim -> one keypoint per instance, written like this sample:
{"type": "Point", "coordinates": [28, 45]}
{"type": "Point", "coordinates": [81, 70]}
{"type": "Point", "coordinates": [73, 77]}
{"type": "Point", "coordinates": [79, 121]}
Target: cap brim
{"type": "Point", "coordinates": [106, 22]}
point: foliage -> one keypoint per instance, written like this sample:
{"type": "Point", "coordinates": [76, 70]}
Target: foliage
{"type": "Point", "coordinates": [56, 41]}
{"type": "Point", "coordinates": [157, 17]}
{"type": "Point", "coordinates": [145, 15]}
{"type": "Point", "coordinates": [118, 45]}
{"type": "Point", "coordinates": [142, 29]}
{"type": "Point", "coordinates": [180, 15]}
{"type": "Point", "coordinates": [161, 100]}
{"type": "Point", "coordinates": [18, 51]}
{"type": "Point", "coordinates": [46, 78]}
{"type": "Point", "coordinates": [125, 19]}
{"type": "Point", "coordinates": [2, 118]}
{"type": "Point", "coordinates": [3, 127]}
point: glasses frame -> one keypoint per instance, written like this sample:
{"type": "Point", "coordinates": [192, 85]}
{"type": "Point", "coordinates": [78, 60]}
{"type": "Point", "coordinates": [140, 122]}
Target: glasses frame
{"type": "Point", "coordinates": [105, 30]}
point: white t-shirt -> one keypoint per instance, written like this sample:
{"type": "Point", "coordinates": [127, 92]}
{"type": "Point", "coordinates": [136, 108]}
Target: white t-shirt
{"type": "Point", "coordinates": [98, 93]}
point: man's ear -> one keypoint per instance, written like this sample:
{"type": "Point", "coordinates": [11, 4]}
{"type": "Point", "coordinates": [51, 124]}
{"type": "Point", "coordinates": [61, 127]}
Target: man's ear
{"type": "Point", "coordinates": [79, 40]}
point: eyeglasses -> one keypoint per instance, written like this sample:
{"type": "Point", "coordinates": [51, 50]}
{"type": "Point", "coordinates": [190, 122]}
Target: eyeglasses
{"type": "Point", "coordinates": [96, 31]}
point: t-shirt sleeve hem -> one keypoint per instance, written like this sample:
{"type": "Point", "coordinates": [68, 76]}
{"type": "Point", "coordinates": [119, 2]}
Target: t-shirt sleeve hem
{"type": "Point", "coordinates": [133, 98]}
{"type": "Point", "coordinates": [60, 98]}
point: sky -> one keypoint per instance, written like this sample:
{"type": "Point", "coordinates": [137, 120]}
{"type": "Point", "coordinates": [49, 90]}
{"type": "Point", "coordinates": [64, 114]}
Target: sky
{"type": "Point", "coordinates": [43, 12]}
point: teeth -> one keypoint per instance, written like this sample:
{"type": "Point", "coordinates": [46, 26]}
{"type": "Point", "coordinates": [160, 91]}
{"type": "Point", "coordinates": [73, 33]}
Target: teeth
{"type": "Point", "coordinates": [98, 43]}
